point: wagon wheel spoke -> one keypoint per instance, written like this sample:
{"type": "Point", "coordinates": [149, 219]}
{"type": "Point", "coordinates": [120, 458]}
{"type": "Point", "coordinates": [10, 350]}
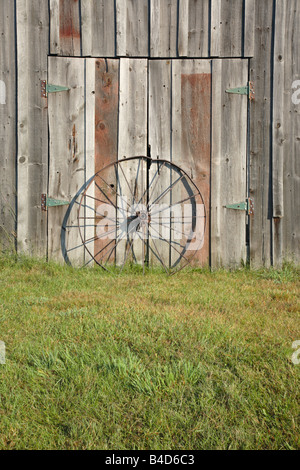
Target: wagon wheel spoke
{"type": "Point", "coordinates": [132, 220]}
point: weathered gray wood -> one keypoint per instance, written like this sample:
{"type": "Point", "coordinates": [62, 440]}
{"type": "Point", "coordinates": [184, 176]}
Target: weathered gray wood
{"type": "Point", "coordinates": [163, 28]}
{"type": "Point", "coordinates": [65, 34]}
{"type": "Point", "coordinates": [249, 28]}
{"type": "Point", "coordinates": [7, 126]}
{"type": "Point", "coordinates": [227, 28]}
{"type": "Point", "coordinates": [260, 137]}
{"type": "Point", "coordinates": [160, 109]}
{"type": "Point", "coordinates": [90, 113]}
{"type": "Point", "coordinates": [193, 28]}
{"type": "Point", "coordinates": [132, 28]}
{"type": "Point", "coordinates": [133, 108]}
{"type": "Point", "coordinates": [215, 33]}
{"type": "Point", "coordinates": [279, 131]}
{"type": "Point", "coordinates": [98, 28]}
{"type": "Point", "coordinates": [33, 29]}
{"type": "Point", "coordinates": [133, 133]}
{"type": "Point", "coordinates": [67, 148]}
{"type": "Point", "coordinates": [228, 181]}
{"type": "Point", "coordinates": [286, 128]}
{"type": "Point", "coordinates": [159, 124]}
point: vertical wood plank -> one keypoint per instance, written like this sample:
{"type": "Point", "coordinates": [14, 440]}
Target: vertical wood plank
{"type": "Point", "coordinates": [133, 108]}
{"type": "Point", "coordinates": [65, 28]}
{"type": "Point", "coordinates": [67, 148]}
{"type": "Point", "coordinates": [183, 27]}
{"type": "Point", "coordinates": [260, 138]}
{"type": "Point", "coordinates": [227, 28]}
{"type": "Point", "coordinates": [132, 132]}
{"type": "Point", "coordinates": [191, 131]}
{"type": "Point", "coordinates": [193, 30]}
{"type": "Point", "coordinates": [279, 98]}
{"type": "Point", "coordinates": [132, 28]}
{"type": "Point", "coordinates": [54, 6]}
{"type": "Point", "coordinates": [106, 112]}
{"type": "Point", "coordinates": [163, 34]}
{"type": "Point", "coordinates": [286, 128]}
{"type": "Point", "coordinates": [215, 34]}
{"type": "Point", "coordinates": [33, 28]}
{"type": "Point", "coordinates": [90, 92]}
{"type": "Point", "coordinates": [160, 109]}
{"type": "Point", "coordinates": [249, 21]}
{"type": "Point", "coordinates": [106, 139]}
{"type": "Point", "coordinates": [7, 126]}
{"type": "Point", "coordinates": [228, 182]}
{"type": "Point", "coordinates": [98, 28]}
{"type": "Point", "coordinates": [196, 136]}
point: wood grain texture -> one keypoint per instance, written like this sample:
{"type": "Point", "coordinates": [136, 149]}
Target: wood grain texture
{"type": "Point", "coordinates": [160, 109]}
{"type": "Point", "coordinates": [7, 126]}
{"type": "Point", "coordinates": [228, 182]}
{"type": "Point", "coordinates": [191, 131]}
{"type": "Point", "coordinates": [106, 140]}
{"type": "Point", "coordinates": [227, 21]}
{"type": "Point", "coordinates": [193, 28]}
{"type": "Point", "coordinates": [132, 135]}
{"type": "Point", "coordinates": [159, 128]}
{"type": "Point", "coordinates": [133, 108]}
{"type": "Point", "coordinates": [33, 28]}
{"type": "Point", "coordinates": [163, 24]}
{"type": "Point", "coordinates": [215, 33]}
{"type": "Point", "coordinates": [286, 130]}
{"type": "Point", "coordinates": [132, 28]}
{"type": "Point", "coordinates": [249, 28]}
{"type": "Point", "coordinates": [67, 148]}
{"type": "Point", "coordinates": [65, 27]}
{"type": "Point", "coordinates": [90, 87]}
{"type": "Point", "coordinates": [260, 138]}
{"type": "Point", "coordinates": [98, 28]}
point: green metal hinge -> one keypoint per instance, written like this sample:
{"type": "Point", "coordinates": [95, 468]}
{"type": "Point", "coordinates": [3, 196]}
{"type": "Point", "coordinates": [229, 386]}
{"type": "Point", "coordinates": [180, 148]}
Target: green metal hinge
{"type": "Point", "coordinates": [246, 206]}
{"type": "Point", "coordinates": [47, 88]}
{"type": "Point", "coordinates": [244, 90]}
{"type": "Point", "coordinates": [50, 202]}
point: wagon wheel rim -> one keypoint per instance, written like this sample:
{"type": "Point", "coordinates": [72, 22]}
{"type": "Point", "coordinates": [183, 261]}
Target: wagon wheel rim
{"type": "Point", "coordinates": [139, 221]}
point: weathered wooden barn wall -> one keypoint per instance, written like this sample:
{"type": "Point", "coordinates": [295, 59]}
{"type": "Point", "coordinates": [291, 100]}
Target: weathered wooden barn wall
{"type": "Point", "coordinates": [8, 184]}
{"type": "Point", "coordinates": [286, 133]}
{"type": "Point", "coordinates": [32, 158]}
{"type": "Point", "coordinates": [263, 34]}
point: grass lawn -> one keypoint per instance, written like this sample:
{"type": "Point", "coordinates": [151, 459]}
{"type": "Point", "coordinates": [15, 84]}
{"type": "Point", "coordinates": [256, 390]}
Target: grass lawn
{"type": "Point", "coordinates": [199, 360]}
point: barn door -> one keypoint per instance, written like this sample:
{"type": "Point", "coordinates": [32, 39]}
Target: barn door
{"type": "Point", "coordinates": [176, 109]}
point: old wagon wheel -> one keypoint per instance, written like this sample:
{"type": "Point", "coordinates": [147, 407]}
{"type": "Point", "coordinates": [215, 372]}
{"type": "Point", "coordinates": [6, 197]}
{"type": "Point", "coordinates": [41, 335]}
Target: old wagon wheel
{"type": "Point", "coordinates": [135, 211]}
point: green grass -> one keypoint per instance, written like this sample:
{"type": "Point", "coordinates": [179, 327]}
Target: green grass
{"type": "Point", "coordinates": [199, 360]}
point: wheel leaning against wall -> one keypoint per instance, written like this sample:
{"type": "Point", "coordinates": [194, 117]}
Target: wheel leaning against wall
{"type": "Point", "coordinates": [136, 211]}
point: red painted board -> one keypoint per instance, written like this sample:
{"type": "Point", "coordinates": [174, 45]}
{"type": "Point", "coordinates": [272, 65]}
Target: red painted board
{"type": "Point", "coordinates": [196, 141]}
{"type": "Point", "coordinates": [106, 141]}
{"type": "Point", "coordinates": [69, 27]}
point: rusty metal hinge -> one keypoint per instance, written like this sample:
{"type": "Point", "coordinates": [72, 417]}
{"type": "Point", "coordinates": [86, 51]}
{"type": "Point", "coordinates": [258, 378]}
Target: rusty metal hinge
{"type": "Point", "coordinates": [244, 90]}
{"type": "Point", "coordinates": [50, 202]}
{"type": "Point", "coordinates": [247, 206]}
{"type": "Point", "coordinates": [47, 88]}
